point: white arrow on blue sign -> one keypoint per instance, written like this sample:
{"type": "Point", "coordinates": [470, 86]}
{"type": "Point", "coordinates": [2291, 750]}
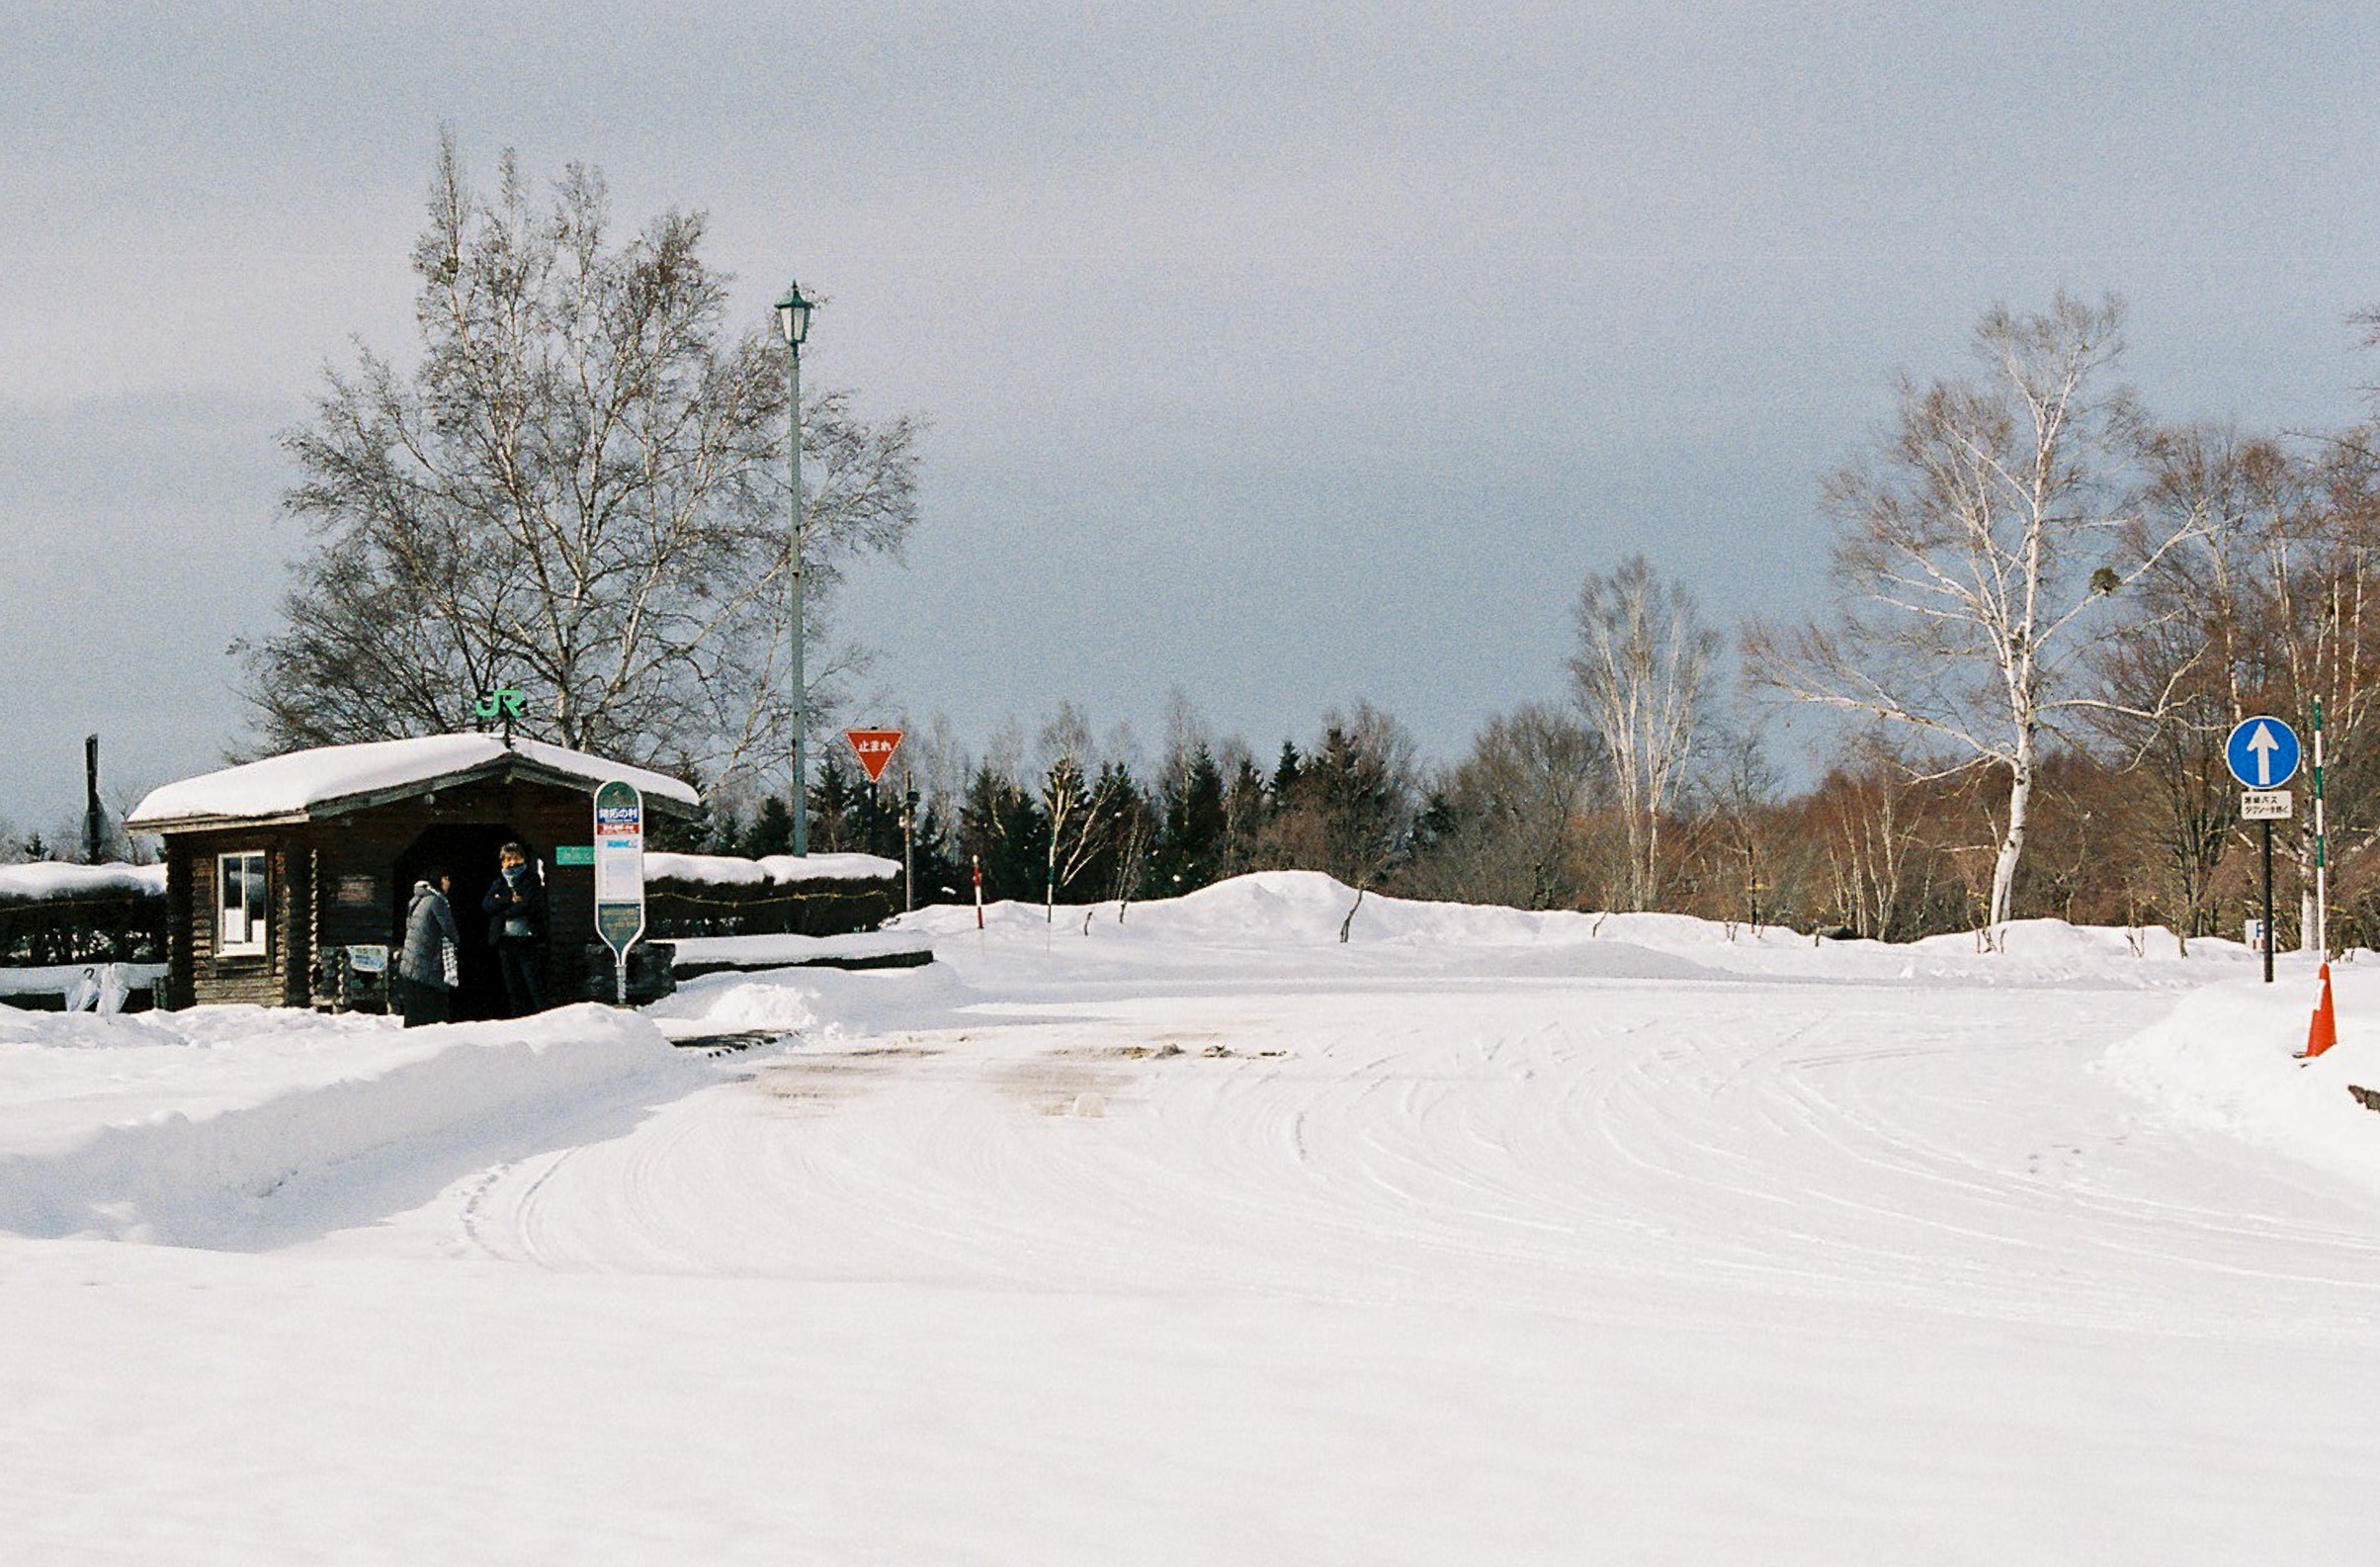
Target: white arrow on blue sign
{"type": "Point", "coordinates": [2262, 752]}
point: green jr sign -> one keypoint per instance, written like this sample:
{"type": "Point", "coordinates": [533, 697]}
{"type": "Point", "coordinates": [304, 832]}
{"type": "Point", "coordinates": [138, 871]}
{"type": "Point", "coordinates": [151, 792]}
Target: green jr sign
{"type": "Point", "coordinates": [504, 702]}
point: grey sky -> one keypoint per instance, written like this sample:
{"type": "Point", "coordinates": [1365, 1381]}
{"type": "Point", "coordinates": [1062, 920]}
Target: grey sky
{"type": "Point", "coordinates": [1285, 354]}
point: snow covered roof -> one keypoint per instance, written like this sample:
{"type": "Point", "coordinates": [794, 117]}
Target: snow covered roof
{"type": "Point", "coordinates": [337, 778]}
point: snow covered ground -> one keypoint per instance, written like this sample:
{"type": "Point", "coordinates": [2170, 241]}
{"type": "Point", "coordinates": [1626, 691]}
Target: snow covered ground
{"type": "Point", "coordinates": [1199, 1236]}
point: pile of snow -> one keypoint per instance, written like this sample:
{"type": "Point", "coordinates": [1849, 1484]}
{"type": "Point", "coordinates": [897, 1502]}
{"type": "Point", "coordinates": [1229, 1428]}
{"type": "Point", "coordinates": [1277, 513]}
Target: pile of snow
{"type": "Point", "coordinates": [819, 1005]}
{"type": "Point", "coordinates": [778, 1002]}
{"type": "Point", "coordinates": [770, 870]}
{"type": "Point", "coordinates": [302, 780]}
{"type": "Point", "coordinates": [239, 1126]}
{"type": "Point", "coordinates": [1280, 911]}
{"type": "Point", "coordinates": [2226, 1059]}
{"type": "Point", "coordinates": [50, 882]}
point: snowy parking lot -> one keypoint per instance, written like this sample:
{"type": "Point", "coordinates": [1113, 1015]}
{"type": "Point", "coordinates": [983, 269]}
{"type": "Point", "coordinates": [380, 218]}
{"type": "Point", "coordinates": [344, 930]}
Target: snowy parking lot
{"type": "Point", "coordinates": [1197, 1234]}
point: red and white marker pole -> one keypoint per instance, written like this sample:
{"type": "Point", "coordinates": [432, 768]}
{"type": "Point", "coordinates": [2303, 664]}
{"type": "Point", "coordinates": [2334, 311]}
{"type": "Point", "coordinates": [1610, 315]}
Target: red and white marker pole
{"type": "Point", "coordinates": [978, 861]}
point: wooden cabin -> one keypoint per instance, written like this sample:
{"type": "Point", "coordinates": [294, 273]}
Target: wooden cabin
{"type": "Point", "coordinates": [282, 873]}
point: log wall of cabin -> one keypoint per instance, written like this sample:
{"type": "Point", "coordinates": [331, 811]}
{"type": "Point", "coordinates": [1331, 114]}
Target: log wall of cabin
{"type": "Point", "coordinates": [199, 975]}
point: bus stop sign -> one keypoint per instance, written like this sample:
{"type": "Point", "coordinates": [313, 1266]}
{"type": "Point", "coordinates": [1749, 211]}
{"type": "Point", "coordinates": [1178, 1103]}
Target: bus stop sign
{"type": "Point", "coordinates": [620, 873]}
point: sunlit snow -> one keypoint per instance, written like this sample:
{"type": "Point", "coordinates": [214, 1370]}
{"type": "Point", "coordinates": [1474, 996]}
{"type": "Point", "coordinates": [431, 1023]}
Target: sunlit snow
{"type": "Point", "coordinates": [1187, 1232]}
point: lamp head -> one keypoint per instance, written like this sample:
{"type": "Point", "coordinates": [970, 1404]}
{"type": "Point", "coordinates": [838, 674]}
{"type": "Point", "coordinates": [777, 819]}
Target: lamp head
{"type": "Point", "coordinates": [792, 315]}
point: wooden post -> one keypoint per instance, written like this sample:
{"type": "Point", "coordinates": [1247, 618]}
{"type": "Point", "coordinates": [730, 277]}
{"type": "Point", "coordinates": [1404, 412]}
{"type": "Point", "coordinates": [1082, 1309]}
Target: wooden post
{"type": "Point", "coordinates": [95, 823]}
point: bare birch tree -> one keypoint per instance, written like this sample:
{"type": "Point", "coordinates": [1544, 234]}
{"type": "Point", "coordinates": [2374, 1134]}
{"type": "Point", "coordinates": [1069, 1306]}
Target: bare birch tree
{"type": "Point", "coordinates": [580, 487]}
{"type": "Point", "coordinates": [1082, 799]}
{"type": "Point", "coordinates": [1643, 668]}
{"type": "Point", "coordinates": [1984, 548]}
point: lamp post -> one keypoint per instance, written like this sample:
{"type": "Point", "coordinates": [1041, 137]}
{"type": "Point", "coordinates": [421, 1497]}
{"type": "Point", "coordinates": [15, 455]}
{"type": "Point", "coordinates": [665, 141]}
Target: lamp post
{"type": "Point", "coordinates": [793, 324]}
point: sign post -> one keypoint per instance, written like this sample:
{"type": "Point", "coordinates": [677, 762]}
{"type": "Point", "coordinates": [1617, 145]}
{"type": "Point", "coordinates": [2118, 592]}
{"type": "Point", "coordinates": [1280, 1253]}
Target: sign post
{"type": "Point", "coordinates": [2262, 753]}
{"type": "Point", "coordinates": [908, 851]}
{"type": "Point", "coordinates": [618, 874]}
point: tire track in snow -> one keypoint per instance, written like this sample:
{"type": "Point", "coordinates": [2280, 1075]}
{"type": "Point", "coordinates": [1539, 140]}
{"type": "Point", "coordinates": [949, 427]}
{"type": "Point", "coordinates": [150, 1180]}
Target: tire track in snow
{"type": "Point", "coordinates": [1451, 1143]}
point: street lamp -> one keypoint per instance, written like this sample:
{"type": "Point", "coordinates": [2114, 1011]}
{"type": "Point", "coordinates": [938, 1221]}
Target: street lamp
{"type": "Point", "coordinates": [793, 324]}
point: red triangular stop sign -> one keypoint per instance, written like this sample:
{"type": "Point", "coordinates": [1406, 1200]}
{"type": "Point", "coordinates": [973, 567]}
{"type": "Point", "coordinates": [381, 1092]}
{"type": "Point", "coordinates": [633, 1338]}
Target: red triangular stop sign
{"type": "Point", "coordinates": [875, 749]}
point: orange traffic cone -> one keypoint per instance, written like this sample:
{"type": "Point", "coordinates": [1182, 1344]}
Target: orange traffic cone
{"type": "Point", "coordinates": [2324, 1030]}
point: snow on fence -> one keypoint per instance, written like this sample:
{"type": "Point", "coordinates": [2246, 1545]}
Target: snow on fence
{"type": "Point", "coordinates": [83, 986]}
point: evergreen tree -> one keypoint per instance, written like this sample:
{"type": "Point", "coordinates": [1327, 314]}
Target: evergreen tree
{"type": "Point", "coordinates": [772, 829]}
{"type": "Point", "coordinates": [1246, 812]}
{"type": "Point", "coordinates": [837, 809]}
{"type": "Point", "coordinates": [1349, 809]}
{"type": "Point", "coordinates": [1001, 827]}
{"type": "Point", "coordinates": [1285, 774]}
{"type": "Point", "coordinates": [1192, 826]}
{"type": "Point", "coordinates": [940, 868]}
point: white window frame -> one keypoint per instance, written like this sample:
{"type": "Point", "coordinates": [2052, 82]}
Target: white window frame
{"type": "Point", "coordinates": [250, 941]}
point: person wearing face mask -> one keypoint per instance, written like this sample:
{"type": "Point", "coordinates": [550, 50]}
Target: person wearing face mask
{"type": "Point", "coordinates": [515, 905]}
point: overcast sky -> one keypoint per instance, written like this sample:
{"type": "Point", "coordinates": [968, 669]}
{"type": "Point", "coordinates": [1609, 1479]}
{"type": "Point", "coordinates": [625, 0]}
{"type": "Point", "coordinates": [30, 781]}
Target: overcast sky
{"type": "Point", "coordinates": [1290, 354]}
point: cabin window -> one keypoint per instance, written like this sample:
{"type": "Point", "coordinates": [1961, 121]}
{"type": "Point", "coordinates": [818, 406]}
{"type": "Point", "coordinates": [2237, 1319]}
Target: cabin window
{"type": "Point", "coordinates": [240, 907]}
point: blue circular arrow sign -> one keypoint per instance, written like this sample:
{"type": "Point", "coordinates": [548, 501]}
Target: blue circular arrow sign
{"type": "Point", "coordinates": [2262, 753]}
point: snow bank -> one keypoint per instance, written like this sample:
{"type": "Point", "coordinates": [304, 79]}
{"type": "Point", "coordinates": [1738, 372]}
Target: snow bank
{"type": "Point", "coordinates": [2225, 1060]}
{"type": "Point", "coordinates": [772, 870]}
{"type": "Point", "coordinates": [779, 1001]}
{"type": "Point", "coordinates": [235, 1127]}
{"type": "Point", "coordinates": [2056, 940]}
{"type": "Point", "coordinates": [45, 882]}
{"type": "Point", "coordinates": [1301, 910]}
{"type": "Point", "coordinates": [1269, 908]}
{"type": "Point", "coordinates": [300, 780]}
{"type": "Point", "coordinates": [820, 1004]}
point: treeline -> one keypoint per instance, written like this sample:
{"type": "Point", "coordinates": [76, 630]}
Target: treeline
{"type": "Point", "coordinates": [1529, 819]}
{"type": "Point", "coordinates": [2049, 610]}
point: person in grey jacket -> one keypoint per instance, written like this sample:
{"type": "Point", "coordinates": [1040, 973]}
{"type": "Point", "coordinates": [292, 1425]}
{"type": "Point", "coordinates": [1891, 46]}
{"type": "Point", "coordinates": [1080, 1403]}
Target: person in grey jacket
{"type": "Point", "coordinates": [427, 966]}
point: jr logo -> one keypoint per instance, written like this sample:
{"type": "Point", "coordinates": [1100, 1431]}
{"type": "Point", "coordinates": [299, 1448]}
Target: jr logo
{"type": "Point", "coordinates": [505, 701]}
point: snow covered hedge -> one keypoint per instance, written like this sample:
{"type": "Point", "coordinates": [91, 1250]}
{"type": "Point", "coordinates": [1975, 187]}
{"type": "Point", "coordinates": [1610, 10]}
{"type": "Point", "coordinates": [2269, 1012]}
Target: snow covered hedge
{"type": "Point", "coordinates": [811, 895]}
{"type": "Point", "coordinates": [52, 883]}
{"type": "Point", "coordinates": [53, 915]}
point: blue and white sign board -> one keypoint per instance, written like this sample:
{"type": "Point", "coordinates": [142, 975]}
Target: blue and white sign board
{"type": "Point", "coordinates": [620, 873]}
{"type": "Point", "coordinates": [2262, 752]}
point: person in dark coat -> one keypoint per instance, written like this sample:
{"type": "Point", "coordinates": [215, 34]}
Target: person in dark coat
{"type": "Point", "coordinates": [429, 965]}
{"type": "Point", "coordinates": [515, 906]}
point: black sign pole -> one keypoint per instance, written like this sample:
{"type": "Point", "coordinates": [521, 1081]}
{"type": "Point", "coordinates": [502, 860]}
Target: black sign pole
{"type": "Point", "coordinates": [2268, 900]}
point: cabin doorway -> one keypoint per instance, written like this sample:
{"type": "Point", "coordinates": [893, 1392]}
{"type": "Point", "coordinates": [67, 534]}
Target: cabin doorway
{"type": "Point", "coordinates": [467, 852]}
